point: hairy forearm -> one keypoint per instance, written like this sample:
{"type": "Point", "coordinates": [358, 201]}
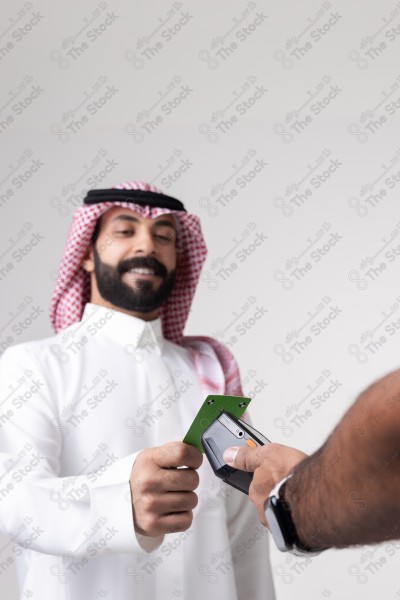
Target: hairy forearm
{"type": "Point", "coordinates": [348, 492]}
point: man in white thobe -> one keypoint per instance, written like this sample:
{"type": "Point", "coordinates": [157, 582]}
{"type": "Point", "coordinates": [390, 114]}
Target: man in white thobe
{"type": "Point", "coordinates": [96, 494]}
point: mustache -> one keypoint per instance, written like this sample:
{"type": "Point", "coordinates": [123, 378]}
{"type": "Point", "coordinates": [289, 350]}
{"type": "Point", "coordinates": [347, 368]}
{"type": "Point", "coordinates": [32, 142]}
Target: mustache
{"type": "Point", "coordinates": [146, 262]}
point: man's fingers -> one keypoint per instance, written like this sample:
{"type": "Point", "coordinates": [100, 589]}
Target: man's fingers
{"type": "Point", "coordinates": [176, 522]}
{"type": "Point", "coordinates": [275, 459]}
{"type": "Point", "coordinates": [167, 503]}
{"type": "Point", "coordinates": [244, 459]}
{"type": "Point", "coordinates": [177, 454]}
{"type": "Point", "coordinates": [269, 463]}
{"type": "Point", "coordinates": [259, 498]}
{"type": "Point", "coordinates": [153, 524]}
{"type": "Point", "coordinates": [261, 515]}
{"type": "Point", "coordinates": [173, 502]}
{"type": "Point", "coordinates": [179, 480]}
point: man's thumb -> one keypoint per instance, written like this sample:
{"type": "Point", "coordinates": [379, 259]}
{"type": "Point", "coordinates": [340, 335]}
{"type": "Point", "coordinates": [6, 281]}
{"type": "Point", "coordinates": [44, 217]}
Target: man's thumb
{"type": "Point", "coordinates": [231, 457]}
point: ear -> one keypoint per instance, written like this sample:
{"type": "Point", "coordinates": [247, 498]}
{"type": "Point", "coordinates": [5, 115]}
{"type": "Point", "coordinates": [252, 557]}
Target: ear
{"type": "Point", "coordinates": [88, 260]}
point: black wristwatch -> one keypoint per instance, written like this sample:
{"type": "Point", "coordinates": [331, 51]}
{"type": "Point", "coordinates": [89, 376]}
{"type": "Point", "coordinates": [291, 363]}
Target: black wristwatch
{"type": "Point", "coordinates": [281, 525]}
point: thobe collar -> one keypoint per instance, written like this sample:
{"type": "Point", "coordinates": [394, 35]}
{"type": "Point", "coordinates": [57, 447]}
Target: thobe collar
{"type": "Point", "coordinates": [131, 332]}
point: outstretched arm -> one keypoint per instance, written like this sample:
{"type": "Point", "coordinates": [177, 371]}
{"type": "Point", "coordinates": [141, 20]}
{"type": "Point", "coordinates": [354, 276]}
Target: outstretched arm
{"type": "Point", "coordinates": [99, 509]}
{"type": "Point", "coordinates": [348, 491]}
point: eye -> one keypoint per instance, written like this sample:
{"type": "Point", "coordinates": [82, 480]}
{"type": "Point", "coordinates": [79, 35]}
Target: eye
{"type": "Point", "coordinates": [124, 232]}
{"type": "Point", "coordinates": [163, 238]}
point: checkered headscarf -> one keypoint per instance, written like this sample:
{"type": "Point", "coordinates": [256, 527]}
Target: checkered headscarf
{"type": "Point", "coordinates": [72, 290]}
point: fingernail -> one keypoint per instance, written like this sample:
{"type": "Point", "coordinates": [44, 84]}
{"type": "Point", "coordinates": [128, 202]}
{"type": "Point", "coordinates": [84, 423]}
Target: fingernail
{"type": "Point", "coordinates": [230, 455]}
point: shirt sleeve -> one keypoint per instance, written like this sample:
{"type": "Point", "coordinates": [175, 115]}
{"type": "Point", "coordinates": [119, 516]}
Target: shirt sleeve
{"type": "Point", "coordinates": [40, 510]}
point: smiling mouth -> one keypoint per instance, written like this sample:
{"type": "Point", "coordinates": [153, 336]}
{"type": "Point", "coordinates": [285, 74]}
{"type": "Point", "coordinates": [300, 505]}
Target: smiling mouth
{"type": "Point", "coordinates": [141, 271]}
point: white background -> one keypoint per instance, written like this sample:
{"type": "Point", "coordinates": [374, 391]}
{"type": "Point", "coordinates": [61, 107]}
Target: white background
{"type": "Point", "coordinates": [276, 123]}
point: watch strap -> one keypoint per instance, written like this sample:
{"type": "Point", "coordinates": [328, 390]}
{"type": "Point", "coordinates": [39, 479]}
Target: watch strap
{"type": "Point", "coordinates": [284, 530]}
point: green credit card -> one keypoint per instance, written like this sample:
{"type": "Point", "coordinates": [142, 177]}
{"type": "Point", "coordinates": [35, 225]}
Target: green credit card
{"type": "Point", "coordinates": [209, 411]}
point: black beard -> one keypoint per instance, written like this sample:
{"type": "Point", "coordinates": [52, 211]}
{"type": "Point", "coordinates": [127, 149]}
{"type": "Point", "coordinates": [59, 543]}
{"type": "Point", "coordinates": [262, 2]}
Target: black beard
{"type": "Point", "coordinates": [144, 298]}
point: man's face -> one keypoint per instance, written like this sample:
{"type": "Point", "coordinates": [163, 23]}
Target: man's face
{"type": "Point", "coordinates": [133, 262]}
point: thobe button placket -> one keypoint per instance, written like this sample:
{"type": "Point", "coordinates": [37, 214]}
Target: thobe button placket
{"type": "Point", "coordinates": [163, 411]}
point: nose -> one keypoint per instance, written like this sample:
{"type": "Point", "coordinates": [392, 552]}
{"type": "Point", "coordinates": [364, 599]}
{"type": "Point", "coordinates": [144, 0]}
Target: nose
{"type": "Point", "coordinates": [144, 242]}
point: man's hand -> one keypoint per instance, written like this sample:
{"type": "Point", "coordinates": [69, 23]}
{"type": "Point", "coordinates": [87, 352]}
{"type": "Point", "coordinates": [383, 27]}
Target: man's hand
{"type": "Point", "coordinates": [269, 463]}
{"type": "Point", "coordinates": [162, 495]}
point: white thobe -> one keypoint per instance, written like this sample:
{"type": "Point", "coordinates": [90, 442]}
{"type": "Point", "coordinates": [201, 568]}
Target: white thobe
{"type": "Point", "coordinates": [76, 409]}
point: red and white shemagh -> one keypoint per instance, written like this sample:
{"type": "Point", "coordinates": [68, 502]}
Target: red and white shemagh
{"type": "Point", "coordinates": [72, 289]}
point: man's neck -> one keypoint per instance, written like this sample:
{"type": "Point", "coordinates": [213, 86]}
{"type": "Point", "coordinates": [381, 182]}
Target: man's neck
{"type": "Point", "coordinates": [148, 316]}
